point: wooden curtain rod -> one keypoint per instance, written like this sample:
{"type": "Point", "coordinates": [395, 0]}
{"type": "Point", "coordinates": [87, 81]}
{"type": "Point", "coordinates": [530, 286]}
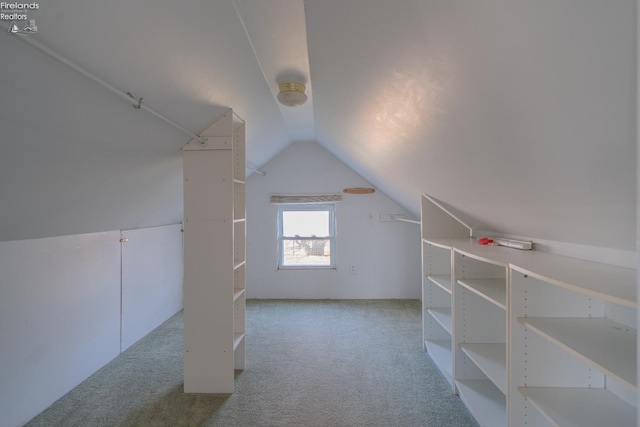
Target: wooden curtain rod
{"type": "Point", "coordinates": [359, 190]}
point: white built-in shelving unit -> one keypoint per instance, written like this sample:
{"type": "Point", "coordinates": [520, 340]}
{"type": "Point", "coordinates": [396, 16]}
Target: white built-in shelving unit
{"type": "Point", "coordinates": [535, 339]}
{"type": "Point", "coordinates": [214, 257]}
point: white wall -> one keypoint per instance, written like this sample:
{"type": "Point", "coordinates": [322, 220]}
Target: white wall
{"type": "Point", "coordinates": [152, 269]}
{"type": "Point", "coordinates": [60, 309]}
{"type": "Point", "coordinates": [386, 254]}
{"type": "Point", "coordinates": [519, 113]}
{"type": "Point", "coordinates": [81, 159]}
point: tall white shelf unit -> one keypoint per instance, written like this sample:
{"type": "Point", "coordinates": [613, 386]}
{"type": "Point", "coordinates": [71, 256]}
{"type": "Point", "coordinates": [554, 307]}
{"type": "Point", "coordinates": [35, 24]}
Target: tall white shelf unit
{"type": "Point", "coordinates": [535, 339]}
{"type": "Point", "coordinates": [214, 257]}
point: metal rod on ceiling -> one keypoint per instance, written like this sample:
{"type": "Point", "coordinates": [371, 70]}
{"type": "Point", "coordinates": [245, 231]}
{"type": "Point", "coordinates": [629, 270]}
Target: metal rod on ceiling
{"type": "Point", "coordinates": [410, 221]}
{"type": "Point", "coordinates": [259, 172]}
{"type": "Point", "coordinates": [96, 79]}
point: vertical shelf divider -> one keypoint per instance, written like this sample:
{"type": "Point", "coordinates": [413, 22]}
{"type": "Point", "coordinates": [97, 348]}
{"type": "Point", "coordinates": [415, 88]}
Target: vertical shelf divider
{"type": "Point", "coordinates": [438, 315]}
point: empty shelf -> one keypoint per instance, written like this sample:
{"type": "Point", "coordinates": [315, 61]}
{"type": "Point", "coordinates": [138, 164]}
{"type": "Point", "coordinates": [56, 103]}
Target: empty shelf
{"type": "Point", "coordinates": [580, 407]}
{"type": "Point", "coordinates": [602, 281]}
{"type": "Point", "coordinates": [485, 402]}
{"type": "Point", "coordinates": [442, 316]}
{"type": "Point", "coordinates": [608, 346]}
{"type": "Point", "coordinates": [493, 290]}
{"type": "Point", "coordinates": [491, 359]}
{"type": "Point", "coordinates": [443, 281]}
{"type": "Point", "coordinates": [440, 353]}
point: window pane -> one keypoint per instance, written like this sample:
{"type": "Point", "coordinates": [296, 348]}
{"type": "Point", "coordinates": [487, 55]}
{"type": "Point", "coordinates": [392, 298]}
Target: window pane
{"type": "Point", "coordinates": [305, 223]}
{"type": "Point", "coordinates": [306, 252]}
{"type": "Point", "coordinates": [306, 236]}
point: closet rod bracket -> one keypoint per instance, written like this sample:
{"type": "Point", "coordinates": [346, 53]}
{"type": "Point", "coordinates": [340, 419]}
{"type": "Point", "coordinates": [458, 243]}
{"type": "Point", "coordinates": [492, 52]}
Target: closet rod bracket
{"type": "Point", "coordinates": [139, 104]}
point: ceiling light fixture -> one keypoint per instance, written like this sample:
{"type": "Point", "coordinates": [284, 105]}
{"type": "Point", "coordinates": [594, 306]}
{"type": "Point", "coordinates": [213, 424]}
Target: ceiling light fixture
{"type": "Point", "coordinates": [292, 94]}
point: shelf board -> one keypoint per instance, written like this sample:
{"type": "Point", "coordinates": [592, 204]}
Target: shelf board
{"type": "Point", "coordinates": [439, 243]}
{"type": "Point", "coordinates": [497, 255]}
{"type": "Point", "coordinates": [491, 358]}
{"type": "Point", "coordinates": [580, 407]}
{"type": "Point", "coordinates": [237, 293]}
{"type": "Point", "coordinates": [493, 290]}
{"type": "Point", "coordinates": [238, 264]}
{"type": "Point", "coordinates": [239, 220]}
{"type": "Point", "coordinates": [485, 402]}
{"type": "Point", "coordinates": [443, 281]}
{"type": "Point", "coordinates": [440, 353]}
{"type": "Point", "coordinates": [442, 316]}
{"type": "Point", "coordinates": [237, 339]}
{"type": "Point", "coordinates": [602, 281]}
{"type": "Point", "coordinates": [604, 344]}
{"type": "Point", "coordinates": [608, 282]}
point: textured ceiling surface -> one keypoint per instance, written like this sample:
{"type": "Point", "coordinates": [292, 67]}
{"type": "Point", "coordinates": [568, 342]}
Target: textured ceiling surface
{"type": "Point", "coordinates": [519, 115]}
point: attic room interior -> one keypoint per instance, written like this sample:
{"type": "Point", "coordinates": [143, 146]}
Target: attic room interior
{"type": "Point", "coordinates": [154, 187]}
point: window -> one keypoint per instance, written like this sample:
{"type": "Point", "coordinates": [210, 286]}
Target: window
{"type": "Point", "coordinates": [306, 236]}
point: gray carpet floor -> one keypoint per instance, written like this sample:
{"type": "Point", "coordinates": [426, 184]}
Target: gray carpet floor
{"type": "Point", "coordinates": [309, 363]}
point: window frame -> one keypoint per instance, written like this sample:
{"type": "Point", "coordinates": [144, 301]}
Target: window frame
{"type": "Point", "coordinates": [328, 207]}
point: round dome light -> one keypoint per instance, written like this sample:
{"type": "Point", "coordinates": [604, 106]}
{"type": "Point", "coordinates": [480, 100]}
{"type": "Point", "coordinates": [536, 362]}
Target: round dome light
{"type": "Point", "coordinates": [292, 94]}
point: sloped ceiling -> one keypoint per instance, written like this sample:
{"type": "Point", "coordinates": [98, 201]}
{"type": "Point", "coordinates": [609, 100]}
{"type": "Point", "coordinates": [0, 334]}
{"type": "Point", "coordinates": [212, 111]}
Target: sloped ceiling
{"type": "Point", "coordinates": [520, 115]}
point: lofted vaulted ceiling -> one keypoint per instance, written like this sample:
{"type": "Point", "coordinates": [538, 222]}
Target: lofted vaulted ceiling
{"type": "Point", "coordinates": [519, 115]}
